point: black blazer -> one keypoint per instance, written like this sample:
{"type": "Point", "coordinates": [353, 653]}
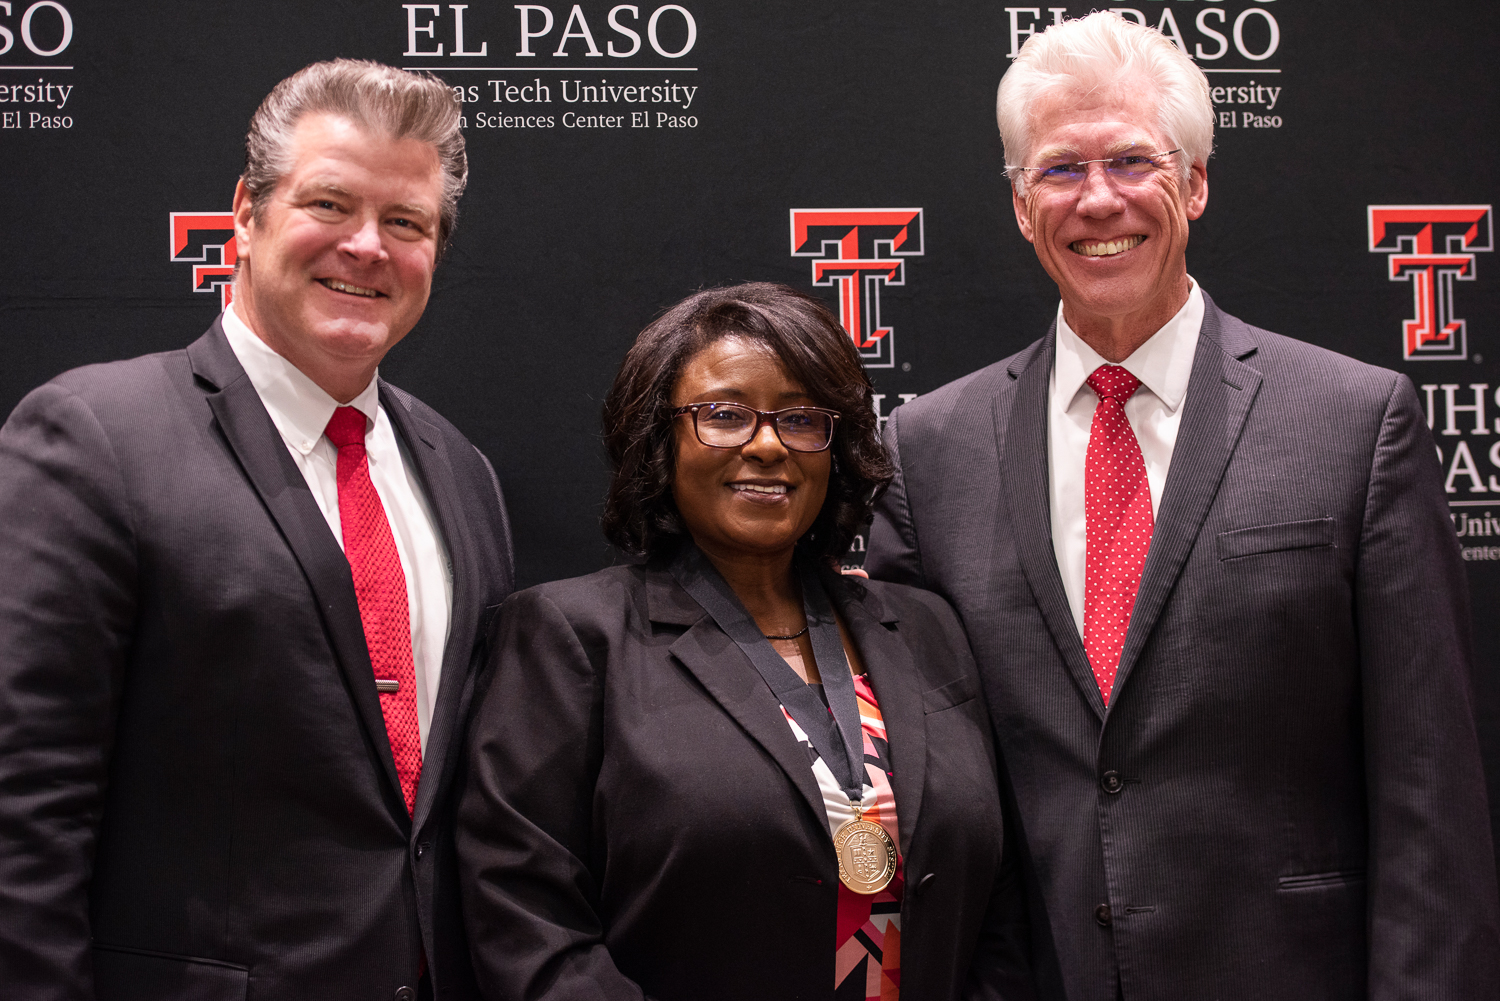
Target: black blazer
{"type": "Point", "coordinates": [197, 794]}
{"type": "Point", "coordinates": [640, 820]}
{"type": "Point", "coordinates": [1284, 798]}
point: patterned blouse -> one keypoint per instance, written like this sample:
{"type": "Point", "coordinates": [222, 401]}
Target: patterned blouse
{"type": "Point", "coordinates": [867, 963]}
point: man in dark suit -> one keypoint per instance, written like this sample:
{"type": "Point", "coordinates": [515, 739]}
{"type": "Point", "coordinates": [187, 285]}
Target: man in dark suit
{"type": "Point", "coordinates": [1211, 586]}
{"type": "Point", "coordinates": [236, 652]}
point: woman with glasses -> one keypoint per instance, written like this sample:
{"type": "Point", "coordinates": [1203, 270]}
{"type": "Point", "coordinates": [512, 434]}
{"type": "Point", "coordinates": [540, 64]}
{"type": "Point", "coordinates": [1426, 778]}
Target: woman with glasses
{"type": "Point", "coordinates": [726, 770]}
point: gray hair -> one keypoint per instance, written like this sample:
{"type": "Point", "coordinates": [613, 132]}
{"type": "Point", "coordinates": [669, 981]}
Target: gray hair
{"type": "Point", "coordinates": [378, 98]}
{"type": "Point", "coordinates": [1091, 53]}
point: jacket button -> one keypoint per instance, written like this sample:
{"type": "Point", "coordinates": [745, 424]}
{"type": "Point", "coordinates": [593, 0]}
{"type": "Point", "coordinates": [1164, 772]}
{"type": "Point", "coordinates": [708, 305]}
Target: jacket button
{"type": "Point", "coordinates": [405, 994]}
{"type": "Point", "coordinates": [421, 849]}
{"type": "Point", "coordinates": [1111, 782]}
{"type": "Point", "coordinates": [1101, 915]}
{"type": "Point", "coordinates": [925, 883]}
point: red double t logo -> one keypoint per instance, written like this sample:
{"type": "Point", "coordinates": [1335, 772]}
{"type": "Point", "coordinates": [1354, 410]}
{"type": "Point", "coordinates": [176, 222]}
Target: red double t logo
{"type": "Point", "coordinates": [1431, 247]}
{"type": "Point", "coordinates": [206, 240]}
{"type": "Point", "coordinates": [859, 251]}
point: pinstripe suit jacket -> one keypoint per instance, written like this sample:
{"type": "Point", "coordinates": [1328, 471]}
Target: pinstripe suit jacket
{"type": "Point", "coordinates": [1284, 798]}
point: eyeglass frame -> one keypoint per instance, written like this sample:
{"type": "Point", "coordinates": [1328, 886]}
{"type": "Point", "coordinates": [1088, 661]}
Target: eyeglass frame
{"type": "Point", "coordinates": [762, 417]}
{"type": "Point", "coordinates": [1107, 159]}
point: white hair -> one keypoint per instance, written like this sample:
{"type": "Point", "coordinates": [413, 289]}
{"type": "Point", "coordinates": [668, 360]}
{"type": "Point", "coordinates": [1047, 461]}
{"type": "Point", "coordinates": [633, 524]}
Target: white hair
{"type": "Point", "coordinates": [1094, 52]}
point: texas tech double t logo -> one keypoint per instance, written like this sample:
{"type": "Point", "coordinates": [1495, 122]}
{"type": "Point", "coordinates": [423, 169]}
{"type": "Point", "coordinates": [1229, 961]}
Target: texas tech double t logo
{"type": "Point", "coordinates": [206, 240]}
{"type": "Point", "coordinates": [1431, 246]}
{"type": "Point", "coordinates": [858, 251]}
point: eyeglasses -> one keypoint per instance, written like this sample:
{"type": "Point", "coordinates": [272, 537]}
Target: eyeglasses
{"type": "Point", "coordinates": [1130, 168]}
{"type": "Point", "coordinates": [729, 425]}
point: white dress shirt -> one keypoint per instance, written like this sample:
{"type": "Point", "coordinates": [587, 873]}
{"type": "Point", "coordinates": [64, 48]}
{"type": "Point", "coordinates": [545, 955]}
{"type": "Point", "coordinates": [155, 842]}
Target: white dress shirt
{"type": "Point", "coordinates": [300, 409]}
{"type": "Point", "coordinates": [1163, 364]}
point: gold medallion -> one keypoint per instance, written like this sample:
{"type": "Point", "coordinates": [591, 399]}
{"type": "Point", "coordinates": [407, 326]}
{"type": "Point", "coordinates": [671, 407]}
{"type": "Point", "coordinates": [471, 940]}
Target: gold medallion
{"type": "Point", "coordinates": [867, 856]}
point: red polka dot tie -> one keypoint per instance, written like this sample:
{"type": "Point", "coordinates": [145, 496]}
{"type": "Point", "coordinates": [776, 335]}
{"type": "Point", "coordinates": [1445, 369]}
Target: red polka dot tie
{"type": "Point", "coordinates": [1117, 512]}
{"type": "Point", "coordinates": [380, 586]}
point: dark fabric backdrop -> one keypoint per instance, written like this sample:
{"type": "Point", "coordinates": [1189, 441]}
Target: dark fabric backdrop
{"type": "Point", "coordinates": [115, 116]}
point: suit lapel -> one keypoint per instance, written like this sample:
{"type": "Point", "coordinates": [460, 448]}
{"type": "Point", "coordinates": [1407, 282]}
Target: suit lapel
{"type": "Point", "coordinates": [1221, 391]}
{"type": "Point", "coordinates": [426, 450]}
{"type": "Point", "coordinates": [1021, 425]}
{"type": "Point", "coordinates": [727, 675]}
{"type": "Point", "coordinates": [894, 676]}
{"type": "Point", "coordinates": [261, 453]}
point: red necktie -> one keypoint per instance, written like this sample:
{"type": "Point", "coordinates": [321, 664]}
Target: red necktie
{"type": "Point", "coordinates": [1117, 512]}
{"type": "Point", "coordinates": [380, 586]}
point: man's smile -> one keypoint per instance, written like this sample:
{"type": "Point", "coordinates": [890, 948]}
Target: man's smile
{"type": "Point", "coordinates": [1106, 248]}
{"type": "Point", "coordinates": [340, 286]}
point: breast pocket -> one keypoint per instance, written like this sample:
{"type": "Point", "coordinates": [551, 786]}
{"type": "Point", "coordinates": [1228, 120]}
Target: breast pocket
{"type": "Point", "coordinates": [954, 693]}
{"type": "Point", "coordinates": [1316, 533]}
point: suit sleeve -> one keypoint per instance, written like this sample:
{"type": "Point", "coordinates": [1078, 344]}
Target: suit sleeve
{"type": "Point", "coordinates": [68, 562]}
{"type": "Point", "coordinates": [1432, 899]}
{"type": "Point", "coordinates": [1002, 956]}
{"type": "Point", "coordinates": [1001, 969]}
{"type": "Point", "coordinates": [525, 833]}
{"type": "Point", "coordinates": [893, 554]}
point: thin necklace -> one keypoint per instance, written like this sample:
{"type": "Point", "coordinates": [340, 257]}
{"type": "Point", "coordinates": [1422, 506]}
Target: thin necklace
{"type": "Point", "coordinates": [788, 636]}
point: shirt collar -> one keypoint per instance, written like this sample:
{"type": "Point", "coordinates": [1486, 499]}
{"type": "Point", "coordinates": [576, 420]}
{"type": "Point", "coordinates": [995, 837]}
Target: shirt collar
{"type": "Point", "coordinates": [299, 407]}
{"type": "Point", "coordinates": [1163, 364]}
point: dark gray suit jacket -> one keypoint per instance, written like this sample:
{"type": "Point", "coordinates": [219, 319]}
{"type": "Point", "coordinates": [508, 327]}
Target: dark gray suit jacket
{"type": "Point", "coordinates": [197, 795]}
{"type": "Point", "coordinates": [641, 821]}
{"type": "Point", "coordinates": [1284, 799]}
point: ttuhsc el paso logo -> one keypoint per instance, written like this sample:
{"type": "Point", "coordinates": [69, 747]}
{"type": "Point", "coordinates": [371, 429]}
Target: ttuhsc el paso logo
{"type": "Point", "coordinates": [858, 251]}
{"type": "Point", "coordinates": [206, 241]}
{"type": "Point", "coordinates": [1431, 247]}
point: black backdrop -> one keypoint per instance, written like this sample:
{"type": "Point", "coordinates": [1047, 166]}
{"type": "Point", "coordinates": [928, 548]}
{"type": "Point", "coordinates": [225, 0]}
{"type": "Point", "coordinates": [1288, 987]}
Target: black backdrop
{"type": "Point", "coordinates": [115, 116]}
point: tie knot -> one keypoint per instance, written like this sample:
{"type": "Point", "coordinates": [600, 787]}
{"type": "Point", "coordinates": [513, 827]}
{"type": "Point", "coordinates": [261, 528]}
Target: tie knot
{"type": "Point", "coordinates": [346, 427]}
{"type": "Point", "coordinates": [1112, 382]}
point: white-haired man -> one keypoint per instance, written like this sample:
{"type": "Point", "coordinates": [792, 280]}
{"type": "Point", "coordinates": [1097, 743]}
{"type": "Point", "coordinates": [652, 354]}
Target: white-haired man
{"type": "Point", "coordinates": [245, 588]}
{"type": "Point", "coordinates": [1211, 584]}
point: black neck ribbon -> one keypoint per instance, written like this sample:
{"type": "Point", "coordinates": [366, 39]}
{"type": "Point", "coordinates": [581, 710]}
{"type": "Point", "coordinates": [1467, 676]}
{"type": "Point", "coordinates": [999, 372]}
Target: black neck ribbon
{"type": "Point", "coordinates": [834, 729]}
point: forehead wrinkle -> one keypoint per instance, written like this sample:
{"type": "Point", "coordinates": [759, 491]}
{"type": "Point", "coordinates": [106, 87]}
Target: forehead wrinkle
{"type": "Point", "coordinates": [1085, 89]}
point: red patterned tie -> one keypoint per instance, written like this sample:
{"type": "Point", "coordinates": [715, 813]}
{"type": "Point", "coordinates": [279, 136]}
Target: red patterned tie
{"type": "Point", "coordinates": [1117, 511]}
{"type": "Point", "coordinates": [380, 586]}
